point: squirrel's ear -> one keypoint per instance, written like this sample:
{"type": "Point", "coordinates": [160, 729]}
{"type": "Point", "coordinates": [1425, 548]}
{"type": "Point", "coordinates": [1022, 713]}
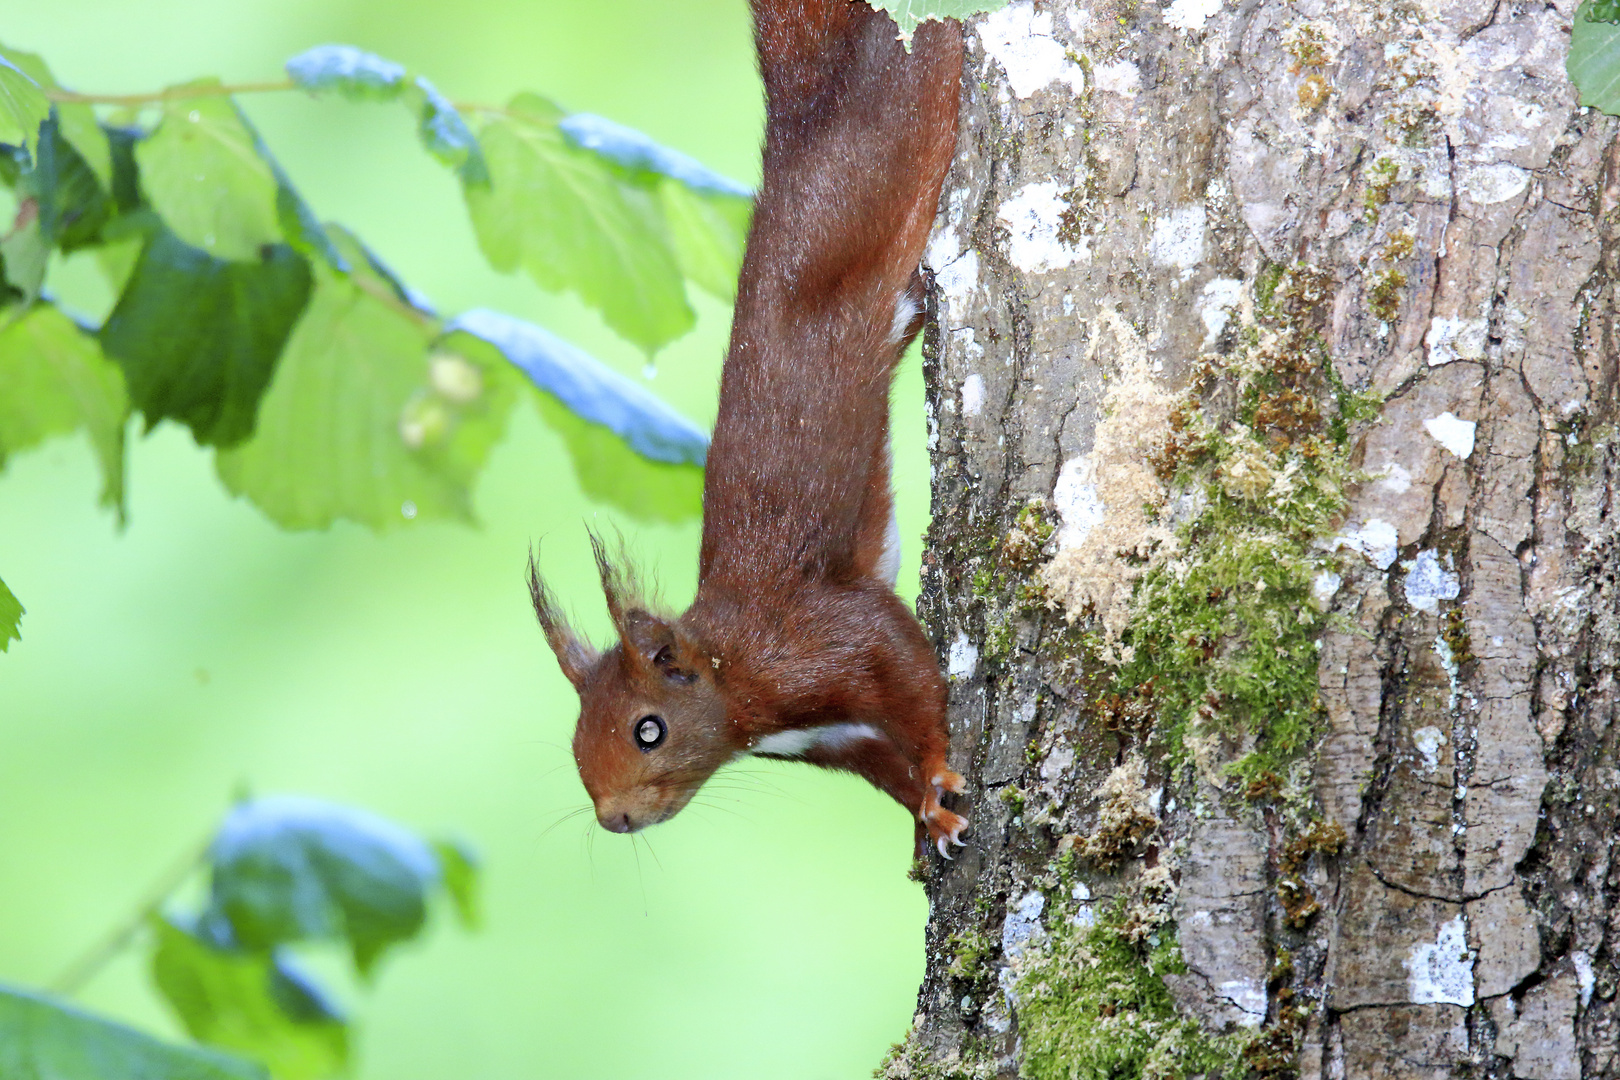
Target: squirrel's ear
{"type": "Point", "coordinates": [657, 645]}
{"type": "Point", "coordinates": [575, 657]}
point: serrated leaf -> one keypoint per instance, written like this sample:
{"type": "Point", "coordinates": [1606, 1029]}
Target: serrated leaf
{"type": "Point", "coordinates": [126, 182]}
{"type": "Point", "coordinates": [352, 72]}
{"type": "Point", "coordinates": [612, 474]}
{"type": "Point", "coordinates": [11, 613]}
{"type": "Point", "coordinates": [299, 224]}
{"type": "Point", "coordinates": [257, 1004]}
{"type": "Point", "coordinates": [25, 253]}
{"type": "Point", "coordinates": [201, 171]}
{"type": "Point", "coordinates": [709, 232]}
{"type": "Point", "coordinates": [72, 204]}
{"type": "Point", "coordinates": [198, 336]}
{"type": "Point", "coordinates": [561, 214]}
{"type": "Point", "coordinates": [365, 422]}
{"type": "Point", "coordinates": [53, 380]}
{"type": "Point", "coordinates": [458, 870]}
{"type": "Point", "coordinates": [289, 868]}
{"type": "Point", "coordinates": [23, 107]}
{"type": "Point", "coordinates": [908, 14]}
{"type": "Point", "coordinates": [636, 151]}
{"type": "Point", "coordinates": [77, 119]}
{"type": "Point", "coordinates": [445, 134]}
{"type": "Point", "coordinates": [44, 1040]}
{"type": "Point", "coordinates": [589, 389]}
{"type": "Point", "coordinates": [1594, 61]}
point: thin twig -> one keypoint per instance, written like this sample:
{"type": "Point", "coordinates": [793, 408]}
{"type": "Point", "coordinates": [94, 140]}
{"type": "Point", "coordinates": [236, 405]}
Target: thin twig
{"type": "Point", "coordinates": [171, 93]}
{"type": "Point", "coordinates": [82, 970]}
{"type": "Point", "coordinates": [182, 93]}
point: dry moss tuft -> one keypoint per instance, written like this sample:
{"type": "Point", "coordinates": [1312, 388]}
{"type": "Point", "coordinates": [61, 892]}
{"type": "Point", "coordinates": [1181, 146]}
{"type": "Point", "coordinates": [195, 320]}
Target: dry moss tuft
{"type": "Point", "coordinates": [1125, 819]}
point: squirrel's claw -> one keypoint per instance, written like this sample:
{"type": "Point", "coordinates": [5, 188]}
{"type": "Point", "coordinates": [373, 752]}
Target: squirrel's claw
{"type": "Point", "coordinates": [948, 781]}
{"type": "Point", "coordinates": [944, 827]}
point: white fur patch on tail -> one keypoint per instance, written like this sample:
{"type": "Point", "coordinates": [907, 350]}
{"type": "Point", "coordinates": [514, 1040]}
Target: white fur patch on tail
{"type": "Point", "coordinates": [905, 310]}
{"type": "Point", "coordinates": [888, 564]}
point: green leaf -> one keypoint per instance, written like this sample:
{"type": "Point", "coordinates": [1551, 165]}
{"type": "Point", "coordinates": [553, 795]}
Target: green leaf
{"type": "Point", "coordinates": [25, 253]}
{"type": "Point", "coordinates": [202, 171]}
{"type": "Point", "coordinates": [458, 870]}
{"type": "Point", "coordinates": [43, 1040]}
{"type": "Point", "coordinates": [1604, 11]}
{"type": "Point", "coordinates": [636, 152]}
{"type": "Point", "coordinates": [909, 13]}
{"type": "Point", "coordinates": [364, 421]}
{"type": "Point", "coordinates": [73, 206]}
{"type": "Point", "coordinates": [589, 389]}
{"type": "Point", "coordinates": [11, 613]}
{"type": "Point", "coordinates": [562, 214]}
{"type": "Point", "coordinates": [53, 380]}
{"type": "Point", "coordinates": [708, 231]}
{"type": "Point", "coordinates": [1594, 61]}
{"type": "Point", "coordinates": [609, 472]}
{"type": "Point", "coordinates": [77, 119]}
{"type": "Point", "coordinates": [198, 336]}
{"type": "Point", "coordinates": [445, 134]}
{"type": "Point", "coordinates": [256, 1004]}
{"type": "Point", "coordinates": [302, 228]}
{"type": "Point", "coordinates": [352, 72]}
{"type": "Point", "coordinates": [288, 868]}
{"type": "Point", "coordinates": [23, 107]}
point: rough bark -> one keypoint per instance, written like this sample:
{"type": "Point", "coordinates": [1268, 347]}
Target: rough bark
{"type": "Point", "coordinates": [1146, 201]}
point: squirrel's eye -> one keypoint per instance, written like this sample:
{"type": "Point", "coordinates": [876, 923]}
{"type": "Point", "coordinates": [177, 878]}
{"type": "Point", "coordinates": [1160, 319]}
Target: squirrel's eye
{"type": "Point", "coordinates": [650, 732]}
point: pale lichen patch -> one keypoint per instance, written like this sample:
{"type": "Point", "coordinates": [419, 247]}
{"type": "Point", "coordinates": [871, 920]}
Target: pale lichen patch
{"type": "Point", "coordinates": [1022, 926]}
{"type": "Point", "coordinates": [963, 659]}
{"type": "Point", "coordinates": [973, 394]}
{"type": "Point", "coordinates": [1429, 740]}
{"type": "Point", "coordinates": [1454, 434]}
{"type": "Point", "coordinates": [1376, 539]}
{"type": "Point", "coordinates": [1442, 971]}
{"type": "Point", "coordinates": [1099, 561]}
{"type": "Point", "coordinates": [1178, 239]}
{"type": "Point", "coordinates": [956, 272]}
{"type": "Point", "coordinates": [1034, 220]}
{"type": "Point", "coordinates": [1455, 339]}
{"type": "Point", "coordinates": [1428, 582]}
{"type": "Point", "coordinates": [1215, 304]}
{"type": "Point", "coordinates": [1191, 14]}
{"type": "Point", "coordinates": [1022, 42]}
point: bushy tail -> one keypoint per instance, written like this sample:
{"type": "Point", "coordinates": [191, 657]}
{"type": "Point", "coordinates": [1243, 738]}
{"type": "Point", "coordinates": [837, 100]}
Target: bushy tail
{"type": "Point", "coordinates": [859, 134]}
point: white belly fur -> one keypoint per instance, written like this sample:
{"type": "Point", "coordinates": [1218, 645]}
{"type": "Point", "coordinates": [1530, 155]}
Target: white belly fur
{"type": "Point", "coordinates": [829, 736]}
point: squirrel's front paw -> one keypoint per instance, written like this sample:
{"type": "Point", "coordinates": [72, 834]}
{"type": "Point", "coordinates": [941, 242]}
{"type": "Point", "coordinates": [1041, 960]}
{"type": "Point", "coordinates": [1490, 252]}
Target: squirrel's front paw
{"type": "Point", "coordinates": [947, 781]}
{"type": "Point", "coordinates": [943, 826]}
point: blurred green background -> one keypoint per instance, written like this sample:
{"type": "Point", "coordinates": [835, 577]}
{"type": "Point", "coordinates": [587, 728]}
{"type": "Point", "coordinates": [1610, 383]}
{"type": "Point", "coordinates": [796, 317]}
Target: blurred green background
{"type": "Point", "coordinates": [769, 932]}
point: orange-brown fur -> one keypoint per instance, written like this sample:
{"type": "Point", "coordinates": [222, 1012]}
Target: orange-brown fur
{"type": "Point", "coordinates": [792, 627]}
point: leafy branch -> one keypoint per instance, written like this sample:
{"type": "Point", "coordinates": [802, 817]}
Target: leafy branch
{"type": "Point", "coordinates": [328, 388]}
{"type": "Point", "coordinates": [283, 872]}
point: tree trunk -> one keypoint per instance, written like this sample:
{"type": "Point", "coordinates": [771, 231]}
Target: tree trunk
{"type": "Point", "coordinates": [1271, 385]}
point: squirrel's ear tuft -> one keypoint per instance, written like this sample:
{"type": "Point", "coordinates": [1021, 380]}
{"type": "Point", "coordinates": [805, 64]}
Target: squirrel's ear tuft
{"type": "Point", "coordinates": [575, 657]}
{"type": "Point", "coordinates": [619, 583]}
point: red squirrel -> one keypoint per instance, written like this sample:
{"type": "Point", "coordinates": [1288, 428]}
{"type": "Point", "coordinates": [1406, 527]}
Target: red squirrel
{"type": "Point", "coordinates": [796, 645]}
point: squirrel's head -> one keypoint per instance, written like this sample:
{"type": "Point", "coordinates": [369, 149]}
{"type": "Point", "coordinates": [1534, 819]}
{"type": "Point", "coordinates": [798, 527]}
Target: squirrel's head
{"type": "Point", "coordinates": [652, 725]}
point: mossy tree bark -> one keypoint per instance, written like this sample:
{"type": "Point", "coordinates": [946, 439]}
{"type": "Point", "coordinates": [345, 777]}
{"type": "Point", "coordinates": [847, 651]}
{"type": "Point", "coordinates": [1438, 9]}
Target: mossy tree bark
{"type": "Point", "coordinates": [1273, 419]}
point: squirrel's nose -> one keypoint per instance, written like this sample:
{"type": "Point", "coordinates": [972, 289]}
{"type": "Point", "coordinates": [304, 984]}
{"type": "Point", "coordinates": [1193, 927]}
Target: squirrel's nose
{"type": "Point", "coordinates": [619, 823]}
